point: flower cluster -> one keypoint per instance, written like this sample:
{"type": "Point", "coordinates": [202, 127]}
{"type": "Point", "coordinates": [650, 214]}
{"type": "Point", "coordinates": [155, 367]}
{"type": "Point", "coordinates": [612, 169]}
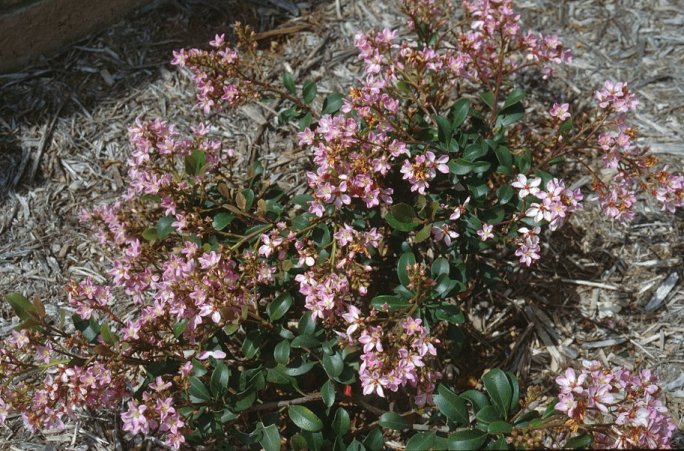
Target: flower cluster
{"type": "Point", "coordinates": [393, 359]}
{"type": "Point", "coordinates": [156, 413]}
{"type": "Point", "coordinates": [216, 74]}
{"type": "Point", "coordinates": [622, 406]}
{"type": "Point", "coordinates": [555, 202]}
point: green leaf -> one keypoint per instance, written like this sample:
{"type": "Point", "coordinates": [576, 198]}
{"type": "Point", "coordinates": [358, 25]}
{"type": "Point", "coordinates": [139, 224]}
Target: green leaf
{"type": "Point", "coordinates": [279, 306]}
{"type": "Point", "coordinates": [374, 440]}
{"type": "Point", "coordinates": [392, 420]}
{"type": "Point", "coordinates": [499, 444]}
{"type": "Point", "coordinates": [580, 441]}
{"type": "Point", "coordinates": [332, 103]}
{"type": "Point", "coordinates": [356, 445]}
{"type": "Point", "coordinates": [195, 162]}
{"type": "Point", "coordinates": [566, 126]}
{"type": "Point", "coordinates": [281, 353]}
{"type": "Point", "coordinates": [488, 98]}
{"type": "Point", "coordinates": [270, 438]}
{"type": "Point", "coordinates": [503, 154]}
{"type": "Point", "coordinates": [164, 227]}
{"type": "Point", "coordinates": [305, 341]}
{"type": "Point", "coordinates": [305, 121]}
{"type": "Point", "coordinates": [289, 84]}
{"type": "Point", "coordinates": [439, 267]}
{"type": "Point", "coordinates": [448, 312]}
{"type": "Point", "coordinates": [444, 131]}
{"type": "Point", "coordinates": [328, 393]}
{"type": "Point", "coordinates": [499, 389]}
{"type": "Point", "coordinates": [402, 217]}
{"type": "Point", "coordinates": [198, 391]}
{"type": "Point", "coordinates": [423, 234]}
{"type": "Point", "coordinates": [459, 113]}
{"type": "Point", "coordinates": [150, 234]}
{"type": "Point", "coordinates": [421, 441]}
{"type": "Point", "coordinates": [550, 409]}
{"type": "Point", "coordinates": [304, 418]}
{"type": "Point", "coordinates": [298, 443]}
{"type": "Point", "coordinates": [219, 379]}
{"type": "Point", "coordinates": [513, 115]}
{"type": "Point", "coordinates": [523, 161]}
{"type": "Point", "coordinates": [309, 91]}
{"type": "Point", "coordinates": [107, 335]}
{"type": "Point", "coordinates": [222, 220]}
{"type": "Point", "coordinates": [89, 328]}
{"type": "Point", "coordinates": [300, 370]}
{"type": "Point", "coordinates": [451, 405]}
{"type": "Point", "coordinates": [251, 344]}
{"type": "Point", "coordinates": [515, 96]}
{"type": "Point", "coordinates": [407, 259]}
{"type": "Point", "coordinates": [478, 189]}
{"type": "Point", "coordinates": [467, 440]}
{"type": "Point", "coordinates": [333, 364]}
{"type": "Point", "coordinates": [488, 414]}
{"type": "Point", "coordinates": [21, 306]}
{"type": "Point", "coordinates": [341, 422]}
{"type": "Point", "coordinates": [393, 302]}
{"type": "Point", "coordinates": [475, 151]}
{"type": "Point", "coordinates": [516, 391]}
{"type": "Point", "coordinates": [180, 327]}
{"type": "Point", "coordinates": [499, 427]}
{"type": "Point", "coordinates": [459, 166]}
{"type": "Point", "coordinates": [505, 194]}
{"type": "Point", "coordinates": [307, 325]}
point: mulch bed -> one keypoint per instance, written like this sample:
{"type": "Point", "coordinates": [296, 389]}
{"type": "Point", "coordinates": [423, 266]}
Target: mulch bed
{"type": "Point", "coordinates": [604, 291]}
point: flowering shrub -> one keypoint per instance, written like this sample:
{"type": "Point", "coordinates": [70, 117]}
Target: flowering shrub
{"type": "Point", "coordinates": [259, 315]}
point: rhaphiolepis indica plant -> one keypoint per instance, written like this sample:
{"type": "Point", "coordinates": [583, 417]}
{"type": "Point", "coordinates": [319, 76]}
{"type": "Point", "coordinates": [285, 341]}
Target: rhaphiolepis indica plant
{"type": "Point", "coordinates": [321, 320]}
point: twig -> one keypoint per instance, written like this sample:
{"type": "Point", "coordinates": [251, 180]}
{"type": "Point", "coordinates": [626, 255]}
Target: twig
{"type": "Point", "coordinates": [289, 402]}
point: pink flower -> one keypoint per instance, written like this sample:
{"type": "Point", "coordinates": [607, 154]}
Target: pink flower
{"type": "Point", "coordinates": [217, 354]}
{"type": "Point", "coordinates": [526, 187]}
{"type": "Point", "coordinates": [134, 420]}
{"type": "Point", "coordinates": [485, 232]}
{"type": "Point", "coordinates": [566, 404]}
{"type": "Point", "coordinates": [560, 111]}
{"type": "Point", "coordinates": [569, 382]}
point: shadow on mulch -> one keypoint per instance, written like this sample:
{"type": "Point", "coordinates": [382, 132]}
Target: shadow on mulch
{"type": "Point", "coordinates": [111, 64]}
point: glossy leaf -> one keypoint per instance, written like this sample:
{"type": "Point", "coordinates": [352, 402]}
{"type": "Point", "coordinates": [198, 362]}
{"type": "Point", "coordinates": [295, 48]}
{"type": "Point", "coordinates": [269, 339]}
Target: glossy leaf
{"type": "Point", "coordinates": [499, 427]}
{"type": "Point", "coordinates": [580, 441]}
{"type": "Point", "coordinates": [328, 393]}
{"type": "Point", "coordinates": [270, 438]}
{"type": "Point", "coordinates": [499, 389]}
{"type": "Point", "coordinates": [393, 302]}
{"type": "Point", "coordinates": [309, 91]}
{"type": "Point", "coordinates": [289, 84]}
{"type": "Point", "coordinates": [198, 391]}
{"type": "Point", "coordinates": [392, 420]}
{"type": "Point", "coordinates": [222, 220]}
{"type": "Point", "coordinates": [407, 259]}
{"type": "Point", "coordinates": [451, 405]}
{"type": "Point", "coordinates": [279, 306]}
{"type": "Point", "coordinates": [459, 112]}
{"type": "Point", "coordinates": [281, 353]}
{"type": "Point", "coordinates": [467, 440]}
{"type": "Point", "coordinates": [219, 378]}
{"type": "Point", "coordinates": [421, 441]}
{"type": "Point", "coordinates": [341, 422]}
{"type": "Point", "coordinates": [332, 103]}
{"type": "Point", "coordinates": [304, 418]}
